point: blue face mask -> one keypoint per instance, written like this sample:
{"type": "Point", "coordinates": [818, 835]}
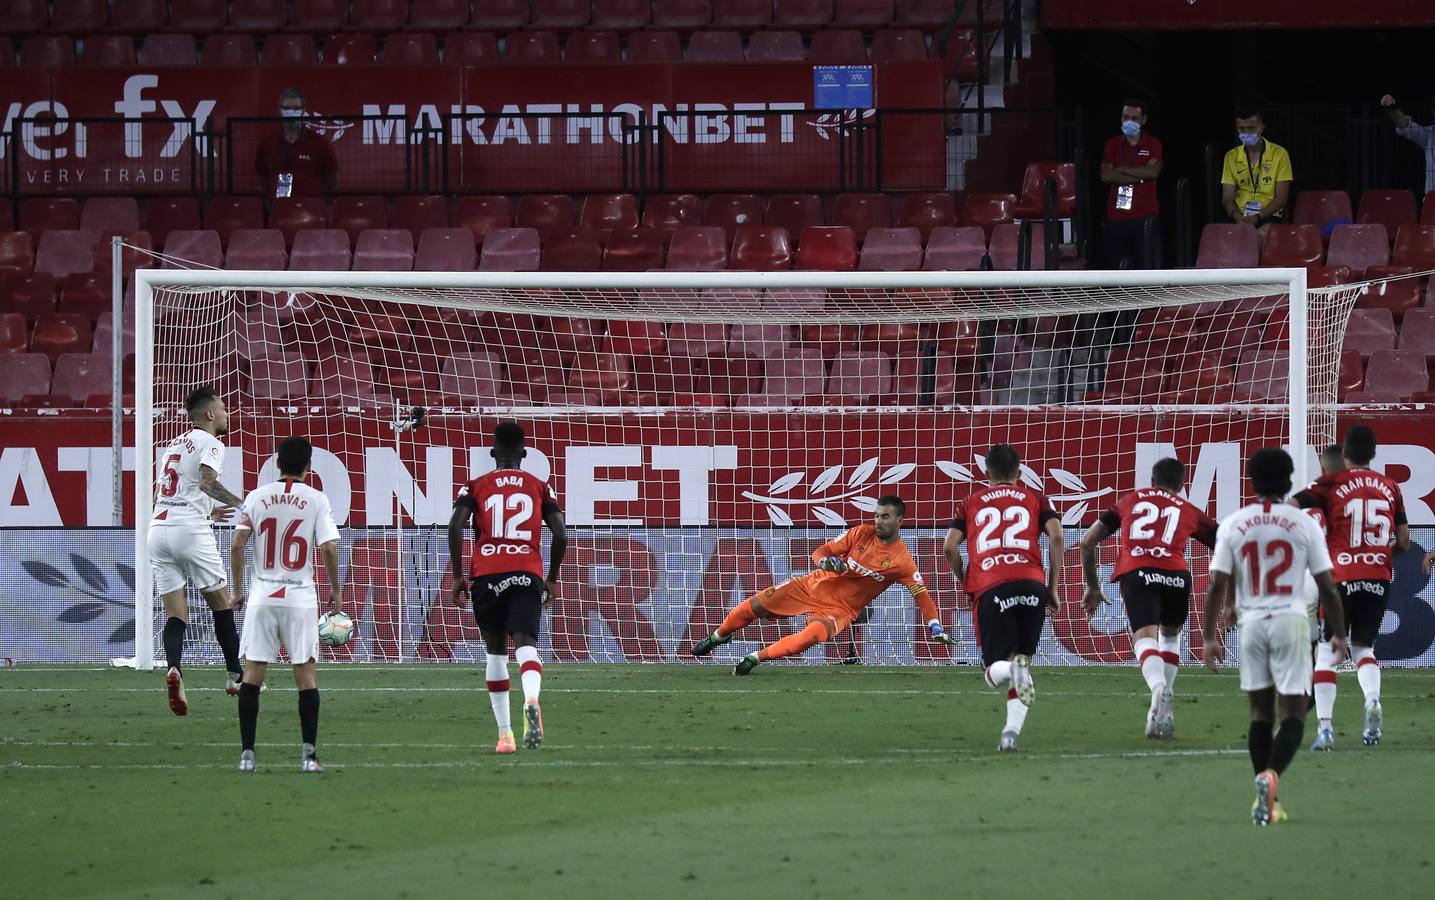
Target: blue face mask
{"type": "Point", "coordinates": [291, 113]}
{"type": "Point", "coordinates": [1131, 129]}
{"type": "Point", "coordinates": [1249, 138]}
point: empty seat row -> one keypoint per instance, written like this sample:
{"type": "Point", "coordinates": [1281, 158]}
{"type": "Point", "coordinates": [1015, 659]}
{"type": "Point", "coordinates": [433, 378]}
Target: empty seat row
{"type": "Point", "coordinates": [833, 47]}
{"type": "Point", "coordinates": [85, 17]}
{"type": "Point", "coordinates": [1391, 208]}
{"type": "Point", "coordinates": [71, 379]}
{"type": "Point", "coordinates": [1358, 247]}
{"type": "Point", "coordinates": [1374, 329]}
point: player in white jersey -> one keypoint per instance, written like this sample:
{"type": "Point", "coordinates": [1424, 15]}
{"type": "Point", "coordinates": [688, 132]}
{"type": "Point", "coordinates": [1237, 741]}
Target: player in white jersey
{"type": "Point", "coordinates": [188, 498]}
{"type": "Point", "coordinates": [288, 520]}
{"type": "Point", "coordinates": [1262, 553]}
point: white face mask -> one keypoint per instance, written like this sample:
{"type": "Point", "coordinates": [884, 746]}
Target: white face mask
{"type": "Point", "coordinates": [291, 113]}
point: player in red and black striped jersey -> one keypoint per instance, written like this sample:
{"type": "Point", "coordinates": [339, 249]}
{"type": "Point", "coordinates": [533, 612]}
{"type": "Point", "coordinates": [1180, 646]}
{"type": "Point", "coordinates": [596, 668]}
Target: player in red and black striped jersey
{"type": "Point", "coordinates": [1004, 575]}
{"type": "Point", "coordinates": [508, 507]}
{"type": "Point", "coordinates": [1365, 519]}
{"type": "Point", "coordinates": [1155, 523]}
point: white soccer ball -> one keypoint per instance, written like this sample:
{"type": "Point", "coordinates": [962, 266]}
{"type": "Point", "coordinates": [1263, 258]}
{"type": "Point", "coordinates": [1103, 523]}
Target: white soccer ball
{"type": "Point", "coordinates": [336, 629]}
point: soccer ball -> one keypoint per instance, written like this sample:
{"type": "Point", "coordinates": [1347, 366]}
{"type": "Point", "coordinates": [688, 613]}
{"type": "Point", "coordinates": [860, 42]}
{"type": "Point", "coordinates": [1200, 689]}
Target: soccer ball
{"type": "Point", "coordinates": [336, 629]}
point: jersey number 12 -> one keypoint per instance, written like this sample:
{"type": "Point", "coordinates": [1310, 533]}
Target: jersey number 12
{"type": "Point", "coordinates": [510, 515]}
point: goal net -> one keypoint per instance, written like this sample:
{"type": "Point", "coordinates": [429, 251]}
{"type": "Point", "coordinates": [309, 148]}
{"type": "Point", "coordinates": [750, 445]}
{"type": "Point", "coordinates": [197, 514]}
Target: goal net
{"type": "Point", "coordinates": [705, 432]}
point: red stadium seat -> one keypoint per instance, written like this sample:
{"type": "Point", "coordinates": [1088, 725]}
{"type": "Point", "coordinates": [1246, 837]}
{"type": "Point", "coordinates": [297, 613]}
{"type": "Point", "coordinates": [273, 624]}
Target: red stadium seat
{"type": "Point", "coordinates": [1392, 375]}
{"type": "Point", "coordinates": [193, 249]}
{"type": "Point", "coordinates": [41, 214]}
{"type": "Point", "coordinates": [1326, 276]}
{"type": "Point", "coordinates": [807, 15]}
{"type": "Point", "coordinates": [673, 381]}
{"type": "Point", "coordinates": [1263, 375]}
{"type": "Point", "coordinates": [732, 211]}
{"type": "Point", "coordinates": [1320, 208]}
{"type": "Point", "coordinates": [861, 212]}
{"type": "Point", "coordinates": [472, 48]}
{"type": "Point", "coordinates": [79, 375]}
{"type": "Point", "coordinates": [622, 15]}
{"type": "Point", "coordinates": [17, 251]}
{"type": "Point", "coordinates": [665, 212]}
{"type": "Point", "coordinates": [501, 15]}
{"type": "Point", "coordinates": [571, 250]}
{"type": "Point", "coordinates": [446, 250]}
{"type": "Point", "coordinates": [510, 250]}
{"type": "Point", "coordinates": [955, 248]}
{"type": "Point", "coordinates": [825, 248]}
{"type": "Point", "coordinates": [892, 45]}
{"type": "Point", "coordinates": [636, 338]}
{"type": "Point", "coordinates": [228, 50]}
{"type": "Point", "coordinates": [1005, 247]}
{"type": "Point", "coordinates": [25, 17]}
{"type": "Point", "coordinates": [23, 375]}
{"type": "Point", "coordinates": [351, 50]}
{"type": "Point", "coordinates": [864, 13]}
{"type": "Point", "coordinates": [14, 338]}
{"type": "Point", "coordinates": [606, 374]}
{"type": "Point", "coordinates": [1359, 247]}
{"type": "Point", "coordinates": [758, 341]}
{"type": "Point", "coordinates": [698, 248]}
{"type": "Point", "coordinates": [322, 250]}
{"type": "Point", "coordinates": [760, 249]}
{"type": "Point", "coordinates": [226, 214]}
{"type": "Point", "coordinates": [319, 17]}
{"type": "Point", "coordinates": [545, 211]}
{"type": "Point", "coordinates": [63, 252]}
{"type": "Point", "coordinates": [989, 210]}
{"type": "Point", "coordinates": [258, 16]}
{"type": "Point", "coordinates": [197, 17]}
{"type": "Point", "coordinates": [561, 15]}
{"type": "Point", "coordinates": [289, 50]}
{"type": "Point", "coordinates": [1351, 376]}
{"type": "Point", "coordinates": [1130, 377]}
{"type": "Point", "coordinates": [1033, 189]}
{"type": "Point", "coordinates": [101, 214]}
{"type": "Point", "coordinates": [734, 377]}
{"type": "Point", "coordinates": [655, 47]}
{"type": "Point", "coordinates": [355, 214]}
{"type": "Point", "coordinates": [693, 340]}
{"type": "Point", "coordinates": [380, 16]}
{"type": "Point", "coordinates": [592, 47]}
{"type": "Point", "coordinates": [715, 47]}
{"type": "Point", "coordinates": [859, 377]}
{"type": "Point", "coordinates": [794, 212]}
{"type": "Point", "coordinates": [57, 333]}
{"type": "Point", "coordinates": [682, 15]}
{"type": "Point", "coordinates": [384, 250]}
{"type": "Point", "coordinates": [282, 376]}
{"type": "Point", "coordinates": [926, 211]}
{"type": "Point", "coordinates": [745, 15]}
{"type": "Point", "coordinates": [1415, 246]}
{"type": "Point", "coordinates": [78, 18]}
{"type": "Point", "coordinates": [532, 48]}
{"type": "Point", "coordinates": [1292, 245]}
{"type": "Point", "coordinates": [896, 339]}
{"type": "Point", "coordinates": [925, 14]}
{"type": "Point", "coordinates": [472, 379]}
{"type": "Point", "coordinates": [343, 380]}
{"type": "Point", "coordinates": [1397, 295]}
{"type": "Point", "coordinates": [795, 375]}
{"type": "Point", "coordinates": [257, 248]}
{"type": "Point", "coordinates": [892, 250]}
{"type": "Point", "coordinates": [1229, 246]}
{"type": "Point", "coordinates": [439, 16]}
{"type": "Point", "coordinates": [107, 50]}
{"type": "Point", "coordinates": [418, 212]}
{"type": "Point", "coordinates": [136, 254]}
{"type": "Point", "coordinates": [1417, 331]}
{"type": "Point", "coordinates": [1389, 208]}
{"type": "Point", "coordinates": [795, 301]}
{"type": "Point", "coordinates": [290, 215]}
{"type": "Point", "coordinates": [633, 250]}
{"type": "Point", "coordinates": [605, 212]}
{"type": "Point", "coordinates": [410, 49]}
{"type": "Point", "coordinates": [776, 46]}
{"type": "Point", "coordinates": [29, 294]}
{"type": "Point", "coordinates": [168, 50]}
{"type": "Point", "coordinates": [1369, 330]}
{"type": "Point", "coordinates": [1200, 377]}
{"type": "Point", "coordinates": [483, 213]}
{"type": "Point", "coordinates": [836, 47]}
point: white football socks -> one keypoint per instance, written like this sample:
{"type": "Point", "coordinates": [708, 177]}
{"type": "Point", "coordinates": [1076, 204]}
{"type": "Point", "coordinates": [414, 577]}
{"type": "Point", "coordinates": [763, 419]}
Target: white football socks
{"type": "Point", "coordinates": [1324, 687]}
{"type": "Point", "coordinates": [530, 672]}
{"type": "Point", "coordinates": [998, 673]}
{"type": "Point", "coordinates": [497, 674]}
{"type": "Point", "coordinates": [1153, 669]}
{"type": "Point", "coordinates": [1015, 713]}
{"type": "Point", "coordinates": [1367, 672]}
{"type": "Point", "coordinates": [1170, 656]}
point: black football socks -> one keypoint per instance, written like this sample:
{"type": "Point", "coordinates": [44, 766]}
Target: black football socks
{"type": "Point", "coordinates": [1286, 742]}
{"type": "Point", "coordinates": [1258, 741]}
{"type": "Point", "coordinates": [228, 637]}
{"type": "Point", "coordinates": [309, 715]}
{"type": "Point", "coordinates": [248, 714]}
{"type": "Point", "coordinates": [173, 641]}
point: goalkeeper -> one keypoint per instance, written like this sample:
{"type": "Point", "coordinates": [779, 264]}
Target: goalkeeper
{"type": "Point", "coordinates": [851, 572]}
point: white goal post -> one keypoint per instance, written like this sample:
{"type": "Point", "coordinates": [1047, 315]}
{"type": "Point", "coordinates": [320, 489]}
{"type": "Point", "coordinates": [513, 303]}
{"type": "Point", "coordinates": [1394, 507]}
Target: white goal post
{"type": "Point", "coordinates": [681, 414]}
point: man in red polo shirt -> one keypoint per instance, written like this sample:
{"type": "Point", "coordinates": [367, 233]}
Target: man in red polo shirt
{"type": "Point", "coordinates": [1131, 164]}
{"type": "Point", "coordinates": [294, 161]}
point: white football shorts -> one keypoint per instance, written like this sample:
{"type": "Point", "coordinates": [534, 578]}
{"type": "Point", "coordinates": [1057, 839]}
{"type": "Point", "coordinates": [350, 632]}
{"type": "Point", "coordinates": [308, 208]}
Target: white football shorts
{"type": "Point", "coordinates": [1276, 651]}
{"type": "Point", "coordinates": [180, 554]}
{"type": "Point", "coordinates": [268, 627]}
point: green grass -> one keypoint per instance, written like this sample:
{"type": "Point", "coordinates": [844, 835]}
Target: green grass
{"type": "Point", "coordinates": [667, 781]}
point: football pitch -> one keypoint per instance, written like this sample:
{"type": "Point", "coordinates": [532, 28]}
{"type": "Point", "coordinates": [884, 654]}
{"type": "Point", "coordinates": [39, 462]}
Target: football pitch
{"type": "Point", "coordinates": [683, 781]}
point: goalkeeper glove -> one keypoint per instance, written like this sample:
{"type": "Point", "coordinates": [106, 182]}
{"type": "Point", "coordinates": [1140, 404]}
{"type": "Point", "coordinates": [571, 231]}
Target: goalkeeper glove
{"type": "Point", "coordinates": [832, 564]}
{"type": "Point", "coordinates": [939, 634]}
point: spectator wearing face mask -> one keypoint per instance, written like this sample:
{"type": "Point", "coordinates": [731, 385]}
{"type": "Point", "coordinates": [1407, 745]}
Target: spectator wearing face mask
{"type": "Point", "coordinates": [294, 161]}
{"type": "Point", "coordinates": [1424, 135]}
{"type": "Point", "coordinates": [1131, 163]}
{"type": "Point", "coordinates": [1256, 176]}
